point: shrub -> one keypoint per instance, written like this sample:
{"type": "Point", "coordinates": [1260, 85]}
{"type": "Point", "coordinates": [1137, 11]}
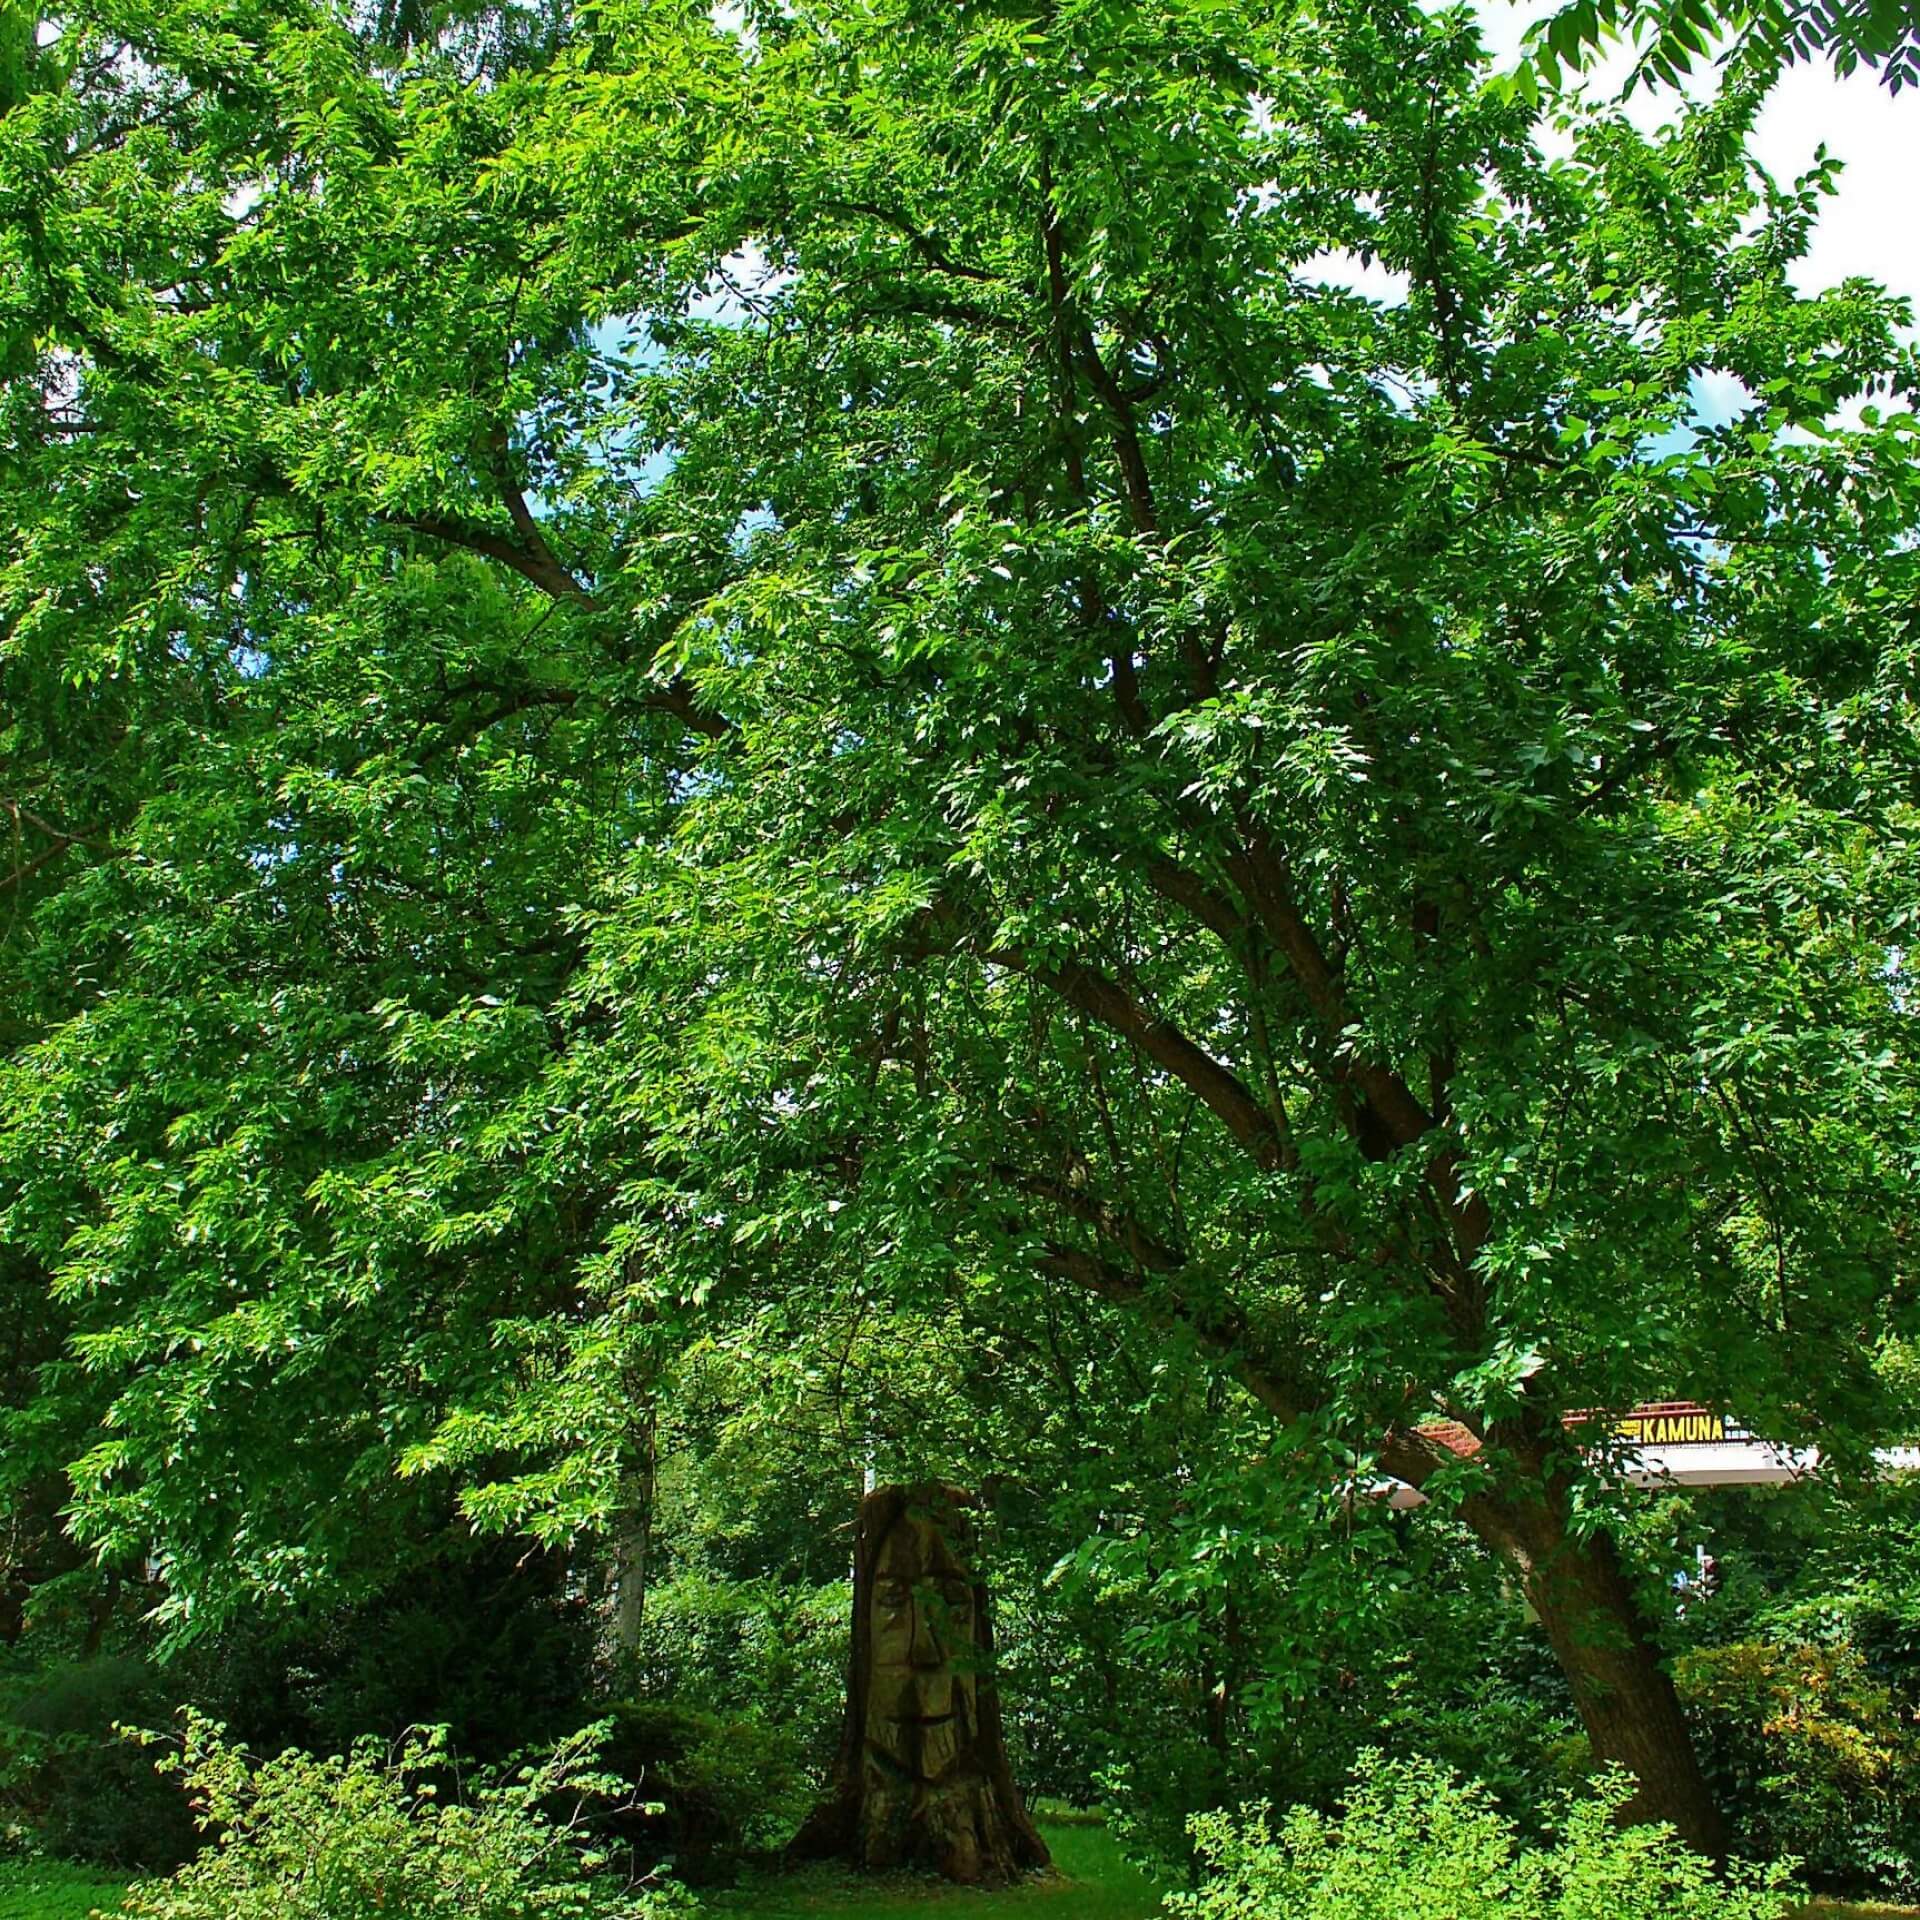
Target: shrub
{"type": "Point", "coordinates": [731, 1708]}
{"type": "Point", "coordinates": [751, 1649]}
{"type": "Point", "coordinates": [475, 1635]}
{"type": "Point", "coordinates": [68, 1779]}
{"type": "Point", "coordinates": [711, 1787]}
{"type": "Point", "coordinates": [1812, 1756]}
{"type": "Point", "coordinates": [1416, 1842]}
{"type": "Point", "coordinates": [375, 1834]}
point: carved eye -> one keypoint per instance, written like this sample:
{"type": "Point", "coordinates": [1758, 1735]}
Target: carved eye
{"type": "Point", "coordinates": [959, 1598]}
{"type": "Point", "coordinates": [892, 1594]}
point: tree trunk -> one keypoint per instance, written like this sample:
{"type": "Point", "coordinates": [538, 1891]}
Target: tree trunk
{"type": "Point", "coordinates": [1625, 1697]}
{"type": "Point", "coordinates": [633, 1543]}
{"type": "Point", "coordinates": [921, 1779]}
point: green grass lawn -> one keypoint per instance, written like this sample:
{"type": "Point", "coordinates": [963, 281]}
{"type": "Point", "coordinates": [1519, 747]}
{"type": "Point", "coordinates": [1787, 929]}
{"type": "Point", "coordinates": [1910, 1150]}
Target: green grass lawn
{"type": "Point", "coordinates": [1090, 1882]}
{"type": "Point", "coordinates": [50, 1890]}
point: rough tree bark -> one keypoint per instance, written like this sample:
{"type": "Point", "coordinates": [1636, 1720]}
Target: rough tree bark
{"type": "Point", "coordinates": [1625, 1697]}
{"type": "Point", "coordinates": [632, 1547]}
{"type": "Point", "coordinates": [921, 1778]}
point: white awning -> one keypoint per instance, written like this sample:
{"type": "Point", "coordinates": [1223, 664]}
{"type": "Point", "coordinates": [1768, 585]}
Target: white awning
{"type": "Point", "coordinates": [1726, 1463]}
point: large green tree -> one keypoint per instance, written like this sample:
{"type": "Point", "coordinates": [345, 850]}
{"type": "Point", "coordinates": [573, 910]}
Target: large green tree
{"type": "Point", "coordinates": [668, 670]}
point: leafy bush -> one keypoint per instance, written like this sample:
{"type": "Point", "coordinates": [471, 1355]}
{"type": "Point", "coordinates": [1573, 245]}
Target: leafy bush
{"type": "Point", "coordinates": [474, 1634]}
{"type": "Point", "coordinates": [70, 1781]}
{"type": "Point", "coordinates": [1812, 1756]}
{"type": "Point", "coordinates": [765, 1660]}
{"type": "Point", "coordinates": [711, 1787]}
{"type": "Point", "coordinates": [366, 1834]}
{"type": "Point", "coordinates": [1418, 1843]}
{"type": "Point", "coordinates": [1261, 1682]}
{"type": "Point", "coordinates": [748, 1649]}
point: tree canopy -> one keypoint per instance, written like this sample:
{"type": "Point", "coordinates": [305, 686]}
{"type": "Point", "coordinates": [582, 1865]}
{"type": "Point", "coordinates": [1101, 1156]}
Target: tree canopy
{"type": "Point", "coordinates": [1672, 38]}
{"type": "Point", "coordinates": [805, 677]}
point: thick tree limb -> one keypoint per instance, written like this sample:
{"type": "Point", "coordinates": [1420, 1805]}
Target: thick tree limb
{"type": "Point", "coordinates": [931, 252]}
{"type": "Point", "coordinates": [58, 841]}
{"type": "Point", "coordinates": [1223, 1334]}
{"type": "Point", "coordinates": [538, 566]}
{"type": "Point", "coordinates": [1261, 876]}
{"type": "Point", "coordinates": [1106, 1001]}
{"type": "Point", "coordinates": [1075, 1196]}
{"type": "Point", "coordinates": [535, 564]}
{"type": "Point", "coordinates": [1188, 890]}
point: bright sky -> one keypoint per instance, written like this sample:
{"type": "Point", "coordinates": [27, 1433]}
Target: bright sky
{"type": "Point", "coordinates": [1872, 227]}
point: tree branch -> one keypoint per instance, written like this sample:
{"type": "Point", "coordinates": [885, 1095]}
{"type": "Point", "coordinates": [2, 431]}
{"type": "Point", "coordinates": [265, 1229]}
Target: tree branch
{"type": "Point", "coordinates": [1223, 1334]}
{"type": "Point", "coordinates": [59, 840]}
{"type": "Point", "coordinates": [531, 564]}
{"type": "Point", "coordinates": [538, 565]}
{"type": "Point", "coordinates": [1261, 876]}
{"type": "Point", "coordinates": [924, 244]}
{"type": "Point", "coordinates": [1104, 1000]}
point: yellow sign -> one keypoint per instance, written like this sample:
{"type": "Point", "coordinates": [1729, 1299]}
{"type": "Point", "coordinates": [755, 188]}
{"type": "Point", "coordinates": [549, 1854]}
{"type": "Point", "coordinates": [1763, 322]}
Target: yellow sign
{"type": "Point", "coordinates": [1690, 1426]}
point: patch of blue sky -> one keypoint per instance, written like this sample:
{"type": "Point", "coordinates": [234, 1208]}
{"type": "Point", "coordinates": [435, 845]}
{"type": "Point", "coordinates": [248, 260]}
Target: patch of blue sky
{"type": "Point", "coordinates": [756, 520]}
{"type": "Point", "coordinates": [628, 337]}
{"type": "Point", "coordinates": [735, 293]}
{"type": "Point", "coordinates": [1715, 399]}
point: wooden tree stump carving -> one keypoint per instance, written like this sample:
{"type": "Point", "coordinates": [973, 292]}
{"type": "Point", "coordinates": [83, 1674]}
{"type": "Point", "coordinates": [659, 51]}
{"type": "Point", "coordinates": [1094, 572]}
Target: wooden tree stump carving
{"type": "Point", "coordinates": [921, 1779]}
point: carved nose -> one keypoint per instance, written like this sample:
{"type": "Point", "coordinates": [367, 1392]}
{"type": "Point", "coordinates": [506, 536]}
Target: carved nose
{"type": "Point", "coordinates": [927, 1650]}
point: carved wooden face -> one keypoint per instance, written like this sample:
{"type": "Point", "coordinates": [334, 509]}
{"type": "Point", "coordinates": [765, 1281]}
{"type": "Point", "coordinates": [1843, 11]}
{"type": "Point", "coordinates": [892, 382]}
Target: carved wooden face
{"type": "Point", "coordinates": [922, 1673]}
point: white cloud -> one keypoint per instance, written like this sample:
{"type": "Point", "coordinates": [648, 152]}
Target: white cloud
{"type": "Point", "coordinates": [1339, 267]}
{"type": "Point", "coordinates": [1870, 227]}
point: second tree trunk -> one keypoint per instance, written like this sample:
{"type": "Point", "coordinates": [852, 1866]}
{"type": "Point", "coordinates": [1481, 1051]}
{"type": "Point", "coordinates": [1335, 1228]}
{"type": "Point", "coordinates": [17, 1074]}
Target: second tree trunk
{"type": "Point", "coordinates": [921, 1779]}
{"type": "Point", "coordinates": [1624, 1695]}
